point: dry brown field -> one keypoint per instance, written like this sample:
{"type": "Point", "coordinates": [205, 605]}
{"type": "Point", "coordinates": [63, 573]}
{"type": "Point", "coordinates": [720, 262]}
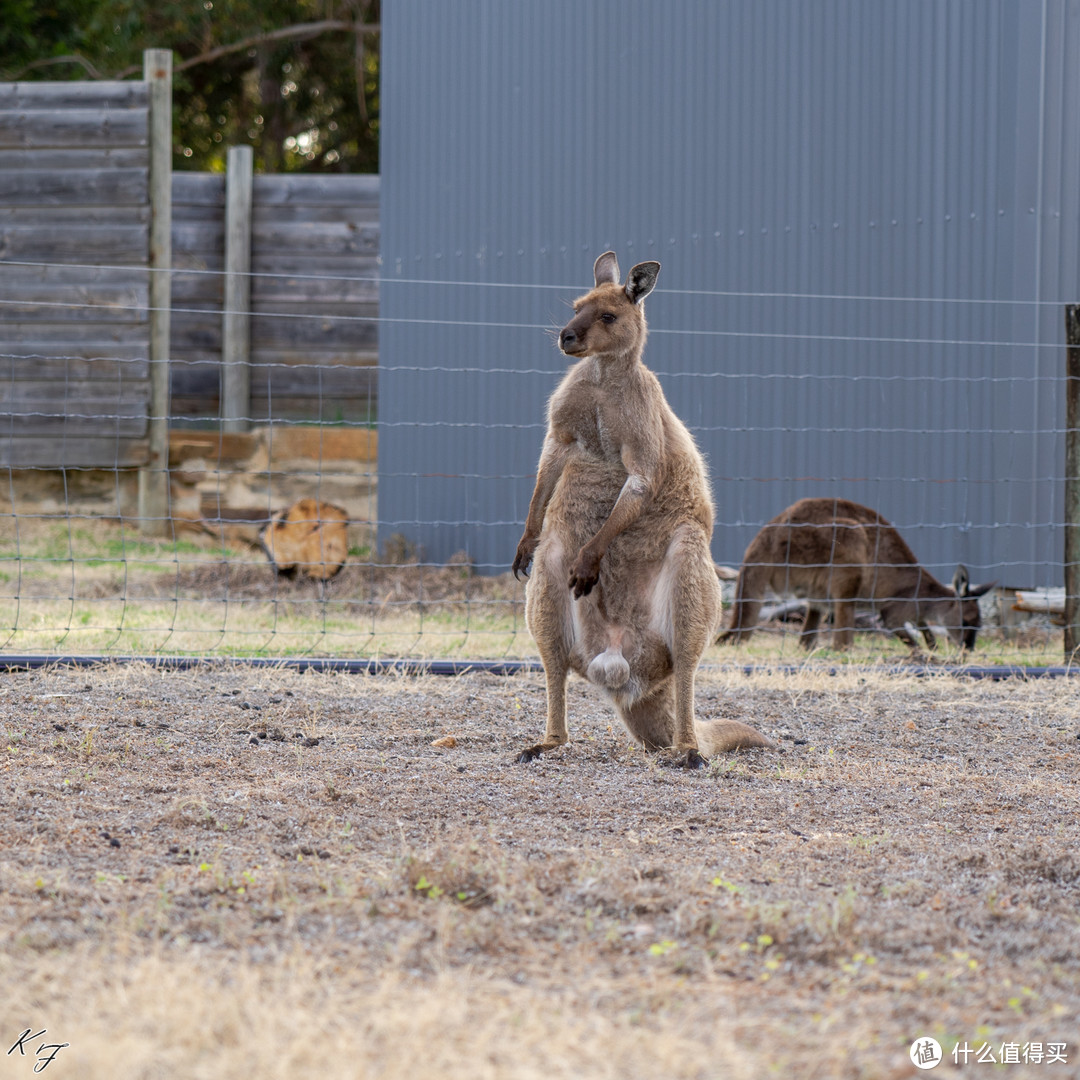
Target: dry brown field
{"type": "Point", "coordinates": [234, 872]}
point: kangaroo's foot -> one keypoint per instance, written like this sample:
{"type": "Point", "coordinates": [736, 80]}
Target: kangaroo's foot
{"type": "Point", "coordinates": [531, 753]}
{"type": "Point", "coordinates": [686, 758]}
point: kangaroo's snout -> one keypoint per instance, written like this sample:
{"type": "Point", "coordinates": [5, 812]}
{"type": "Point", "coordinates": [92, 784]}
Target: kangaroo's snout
{"type": "Point", "coordinates": [576, 336]}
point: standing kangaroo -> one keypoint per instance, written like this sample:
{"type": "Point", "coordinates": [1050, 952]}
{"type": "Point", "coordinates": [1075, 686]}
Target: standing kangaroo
{"type": "Point", "coordinates": [836, 552]}
{"type": "Point", "coordinates": [623, 589]}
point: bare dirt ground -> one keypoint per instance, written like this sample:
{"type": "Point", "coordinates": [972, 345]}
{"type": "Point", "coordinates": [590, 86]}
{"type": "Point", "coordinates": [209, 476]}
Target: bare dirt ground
{"type": "Point", "coordinates": [237, 872]}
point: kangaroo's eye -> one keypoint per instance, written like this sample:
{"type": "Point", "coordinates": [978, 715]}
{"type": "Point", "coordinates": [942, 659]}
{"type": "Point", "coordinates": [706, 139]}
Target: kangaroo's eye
{"type": "Point", "coordinates": [607, 317]}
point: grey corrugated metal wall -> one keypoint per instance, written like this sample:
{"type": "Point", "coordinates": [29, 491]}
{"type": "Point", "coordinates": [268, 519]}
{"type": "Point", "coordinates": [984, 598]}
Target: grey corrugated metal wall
{"type": "Point", "coordinates": [855, 205]}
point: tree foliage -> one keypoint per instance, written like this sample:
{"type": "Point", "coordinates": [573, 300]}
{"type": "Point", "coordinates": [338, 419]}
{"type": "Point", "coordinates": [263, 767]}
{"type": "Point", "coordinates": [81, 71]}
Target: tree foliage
{"type": "Point", "coordinates": [298, 80]}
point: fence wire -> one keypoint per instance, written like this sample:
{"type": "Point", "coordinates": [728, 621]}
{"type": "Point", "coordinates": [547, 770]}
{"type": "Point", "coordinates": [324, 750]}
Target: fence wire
{"type": "Point", "coordinates": [80, 573]}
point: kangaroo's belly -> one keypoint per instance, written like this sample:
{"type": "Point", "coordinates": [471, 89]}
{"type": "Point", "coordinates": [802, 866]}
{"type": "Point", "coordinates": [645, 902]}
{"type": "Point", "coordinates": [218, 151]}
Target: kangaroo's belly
{"type": "Point", "coordinates": [818, 585]}
{"type": "Point", "coordinates": [583, 499]}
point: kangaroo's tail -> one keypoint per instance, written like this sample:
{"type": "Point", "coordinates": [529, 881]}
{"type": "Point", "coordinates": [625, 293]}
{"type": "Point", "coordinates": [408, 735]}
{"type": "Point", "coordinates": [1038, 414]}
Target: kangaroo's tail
{"type": "Point", "coordinates": [722, 736]}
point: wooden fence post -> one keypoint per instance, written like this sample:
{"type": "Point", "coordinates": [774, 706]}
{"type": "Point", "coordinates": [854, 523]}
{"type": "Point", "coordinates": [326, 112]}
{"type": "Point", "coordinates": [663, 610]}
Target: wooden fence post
{"type": "Point", "coordinates": [235, 328]}
{"type": "Point", "coordinates": [155, 518]}
{"type": "Point", "coordinates": [1072, 482]}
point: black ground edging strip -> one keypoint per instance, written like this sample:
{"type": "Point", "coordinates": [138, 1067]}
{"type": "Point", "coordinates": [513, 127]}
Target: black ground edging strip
{"type": "Point", "coordinates": [989, 671]}
{"type": "Point", "coordinates": [312, 663]}
{"type": "Point", "coordinates": [512, 667]}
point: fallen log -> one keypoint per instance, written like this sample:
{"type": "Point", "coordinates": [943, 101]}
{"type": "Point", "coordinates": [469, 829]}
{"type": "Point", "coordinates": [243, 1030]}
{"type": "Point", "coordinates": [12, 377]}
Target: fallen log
{"type": "Point", "coordinates": [793, 610]}
{"type": "Point", "coordinates": [308, 538]}
{"type": "Point", "coordinates": [1040, 601]}
{"type": "Point", "coordinates": [782, 610]}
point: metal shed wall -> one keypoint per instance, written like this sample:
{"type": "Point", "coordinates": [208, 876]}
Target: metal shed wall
{"type": "Point", "coordinates": [867, 216]}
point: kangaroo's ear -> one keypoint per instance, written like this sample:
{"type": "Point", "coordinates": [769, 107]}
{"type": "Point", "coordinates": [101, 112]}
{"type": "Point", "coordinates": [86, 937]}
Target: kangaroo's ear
{"type": "Point", "coordinates": [980, 590]}
{"type": "Point", "coordinates": [961, 580]}
{"type": "Point", "coordinates": [640, 281]}
{"type": "Point", "coordinates": [606, 269]}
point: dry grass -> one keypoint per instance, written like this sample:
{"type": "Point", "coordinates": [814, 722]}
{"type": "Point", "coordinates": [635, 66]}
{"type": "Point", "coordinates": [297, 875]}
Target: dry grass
{"type": "Point", "coordinates": [92, 586]}
{"type": "Point", "coordinates": [204, 1015]}
{"type": "Point", "coordinates": [302, 885]}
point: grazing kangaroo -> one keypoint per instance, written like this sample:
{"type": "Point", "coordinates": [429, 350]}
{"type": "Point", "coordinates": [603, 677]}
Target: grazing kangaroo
{"type": "Point", "coordinates": [835, 552]}
{"type": "Point", "coordinates": [623, 589]}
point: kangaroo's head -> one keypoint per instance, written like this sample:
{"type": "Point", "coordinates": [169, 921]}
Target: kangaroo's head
{"type": "Point", "coordinates": [610, 320]}
{"type": "Point", "coordinates": [965, 628]}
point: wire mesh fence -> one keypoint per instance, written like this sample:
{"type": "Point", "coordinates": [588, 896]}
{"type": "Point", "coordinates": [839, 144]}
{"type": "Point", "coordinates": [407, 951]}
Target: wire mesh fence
{"type": "Point", "coordinates": [236, 575]}
{"type": "Point", "coordinates": [353, 423]}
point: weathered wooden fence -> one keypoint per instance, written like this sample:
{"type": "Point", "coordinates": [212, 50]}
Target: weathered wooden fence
{"type": "Point", "coordinates": [74, 282]}
{"type": "Point", "coordinates": [314, 244]}
{"type": "Point", "coordinates": [75, 303]}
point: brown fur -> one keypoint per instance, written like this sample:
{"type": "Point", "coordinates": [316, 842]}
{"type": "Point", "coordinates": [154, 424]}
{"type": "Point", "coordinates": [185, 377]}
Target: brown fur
{"type": "Point", "coordinates": [310, 537]}
{"type": "Point", "coordinates": [835, 552]}
{"type": "Point", "coordinates": [623, 589]}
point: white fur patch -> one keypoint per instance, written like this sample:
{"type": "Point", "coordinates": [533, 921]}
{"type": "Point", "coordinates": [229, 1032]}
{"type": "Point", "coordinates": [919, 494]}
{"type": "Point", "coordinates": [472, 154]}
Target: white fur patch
{"type": "Point", "coordinates": [661, 615]}
{"type": "Point", "coordinates": [573, 617]}
{"type": "Point", "coordinates": [636, 485]}
{"type": "Point", "coordinates": [662, 607]}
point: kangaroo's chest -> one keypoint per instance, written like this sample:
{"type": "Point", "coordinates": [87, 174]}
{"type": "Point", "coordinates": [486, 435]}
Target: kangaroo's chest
{"type": "Point", "coordinates": [585, 417]}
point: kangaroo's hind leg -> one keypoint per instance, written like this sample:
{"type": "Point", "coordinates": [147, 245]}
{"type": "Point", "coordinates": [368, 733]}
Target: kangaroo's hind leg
{"type": "Point", "coordinates": [549, 618]}
{"type": "Point", "coordinates": [649, 719]}
{"type": "Point", "coordinates": [811, 630]}
{"type": "Point", "coordinates": [686, 611]}
{"type": "Point", "coordinates": [845, 590]}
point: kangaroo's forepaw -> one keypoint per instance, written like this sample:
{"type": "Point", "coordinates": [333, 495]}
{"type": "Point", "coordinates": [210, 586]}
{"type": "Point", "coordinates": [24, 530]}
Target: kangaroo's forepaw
{"type": "Point", "coordinates": [585, 573]}
{"type": "Point", "coordinates": [524, 557]}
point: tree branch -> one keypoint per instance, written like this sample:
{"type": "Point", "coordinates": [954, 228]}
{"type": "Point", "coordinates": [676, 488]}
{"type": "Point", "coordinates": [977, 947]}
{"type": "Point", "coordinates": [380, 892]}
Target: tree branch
{"type": "Point", "coordinates": [300, 30]}
{"type": "Point", "coordinates": [72, 59]}
{"type": "Point", "coordinates": [358, 74]}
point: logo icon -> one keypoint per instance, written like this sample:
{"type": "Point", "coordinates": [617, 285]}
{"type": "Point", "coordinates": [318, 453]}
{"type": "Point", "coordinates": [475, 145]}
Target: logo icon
{"type": "Point", "coordinates": [925, 1053]}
